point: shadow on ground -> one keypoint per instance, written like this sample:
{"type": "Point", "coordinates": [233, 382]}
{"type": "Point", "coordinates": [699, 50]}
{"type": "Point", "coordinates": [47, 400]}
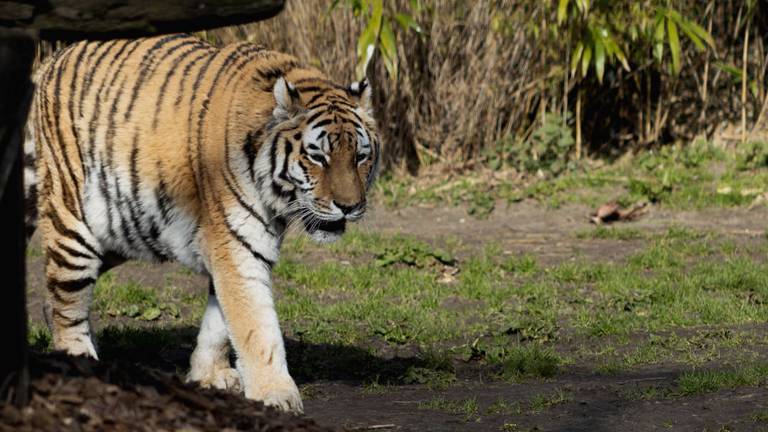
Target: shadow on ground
{"type": "Point", "coordinates": [168, 349]}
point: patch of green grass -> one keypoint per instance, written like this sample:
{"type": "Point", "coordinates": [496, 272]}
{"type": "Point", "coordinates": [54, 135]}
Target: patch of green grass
{"type": "Point", "coordinates": [39, 337]}
{"type": "Point", "coordinates": [697, 382]}
{"type": "Point", "coordinates": [504, 407]}
{"type": "Point", "coordinates": [520, 265]}
{"type": "Point", "coordinates": [510, 313]}
{"type": "Point", "coordinates": [760, 416]}
{"type": "Point", "coordinates": [517, 361]}
{"type": "Point", "coordinates": [542, 401]}
{"type": "Point", "coordinates": [694, 175]}
{"type": "Point", "coordinates": [648, 392]}
{"type": "Point", "coordinates": [435, 378]}
{"type": "Point", "coordinates": [467, 408]}
{"type": "Point", "coordinates": [709, 381]}
{"type": "Point", "coordinates": [374, 387]}
{"type": "Point", "coordinates": [131, 300]}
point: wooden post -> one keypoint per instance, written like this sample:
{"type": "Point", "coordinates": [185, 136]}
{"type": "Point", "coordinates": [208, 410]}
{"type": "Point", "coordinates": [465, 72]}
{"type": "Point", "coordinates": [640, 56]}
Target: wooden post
{"type": "Point", "coordinates": [16, 56]}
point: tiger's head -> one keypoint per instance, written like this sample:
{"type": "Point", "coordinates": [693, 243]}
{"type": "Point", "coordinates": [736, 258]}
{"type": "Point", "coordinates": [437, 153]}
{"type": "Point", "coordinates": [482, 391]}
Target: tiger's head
{"type": "Point", "coordinates": [324, 154]}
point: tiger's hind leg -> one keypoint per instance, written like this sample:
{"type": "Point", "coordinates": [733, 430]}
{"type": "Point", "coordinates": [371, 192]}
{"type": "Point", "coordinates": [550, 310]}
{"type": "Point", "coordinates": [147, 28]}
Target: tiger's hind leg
{"type": "Point", "coordinates": [209, 364]}
{"type": "Point", "coordinates": [72, 265]}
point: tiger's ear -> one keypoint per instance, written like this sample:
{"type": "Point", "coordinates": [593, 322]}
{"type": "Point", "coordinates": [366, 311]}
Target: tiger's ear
{"type": "Point", "coordinates": [361, 93]}
{"type": "Point", "coordinates": [287, 98]}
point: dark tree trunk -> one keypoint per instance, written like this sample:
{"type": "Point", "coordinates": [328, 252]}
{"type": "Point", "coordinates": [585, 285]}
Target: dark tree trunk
{"type": "Point", "coordinates": [16, 56]}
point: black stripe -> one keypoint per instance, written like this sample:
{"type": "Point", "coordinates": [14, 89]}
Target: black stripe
{"type": "Point", "coordinates": [322, 123]}
{"type": "Point", "coordinates": [70, 197]}
{"type": "Point", "coordinates": [269, 263]}
{"type": "Point", "coordinates": [314, 98]}
{"type": "Point", "coordinates": [70, 286]}
{"type": "Point", "coordinates": [201, 114]}
{"type": "Point", "coordinates": [185, 74]}
{"type": "Point", "coordinates": [70, 322]}
{"type": "Point", "coordinates": [134, 206]}
{"type": "Point", "coordinates": [273, 154]}
{"type": "Point", "coordinates": [108, 82]}
{"type": "Point", "coordinates": [249, 148]}
{"type": "Point", "coordinates": [247, 207]}
{"type": "Point", "coordinates": [122, 206]}
{"type": "Point", "coordinates": [354, 114]}
{"type": "Point", "coordinates": [60, 228]}
{"type": "Point", "coordinates": [240, 53]}
{"type": "Point", "coordinates": [62, 262]}
{"type": "Point", "coordinates": [162, 198]}
{"type": "Point", "coordinates": [315, 116]}
{"type": "Point", "coordinates": [104, 189]}
{"type": "Point", "coordinates": [146, 66]}
{"type": "Point", "coordinates": [78, 70]}
{"type": "Point", "coordinates": [171, 71]}
{"type": "Point", "coordinates": [72, 252]}
{"type": "Point", "coordinates": [310, 89]}
{"type": "Point", "coordinates": [288, 150]}
{"type": "Point", "coordinates": [88, 79]}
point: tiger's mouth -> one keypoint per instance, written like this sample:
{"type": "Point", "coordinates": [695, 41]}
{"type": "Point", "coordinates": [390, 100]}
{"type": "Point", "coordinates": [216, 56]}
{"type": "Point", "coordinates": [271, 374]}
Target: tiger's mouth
{"type": "Point", "coordinates": [324, 231]}
{"type": "Point", "coordinates": [337, 226]}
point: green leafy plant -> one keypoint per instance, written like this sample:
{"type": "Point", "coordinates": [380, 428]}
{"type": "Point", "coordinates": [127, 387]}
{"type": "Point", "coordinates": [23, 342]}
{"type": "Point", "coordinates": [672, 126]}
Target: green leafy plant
{"type": "Point", "coordinates": [753, 155]}
{"type": "Point", "coordinates": [549, 148]}
{"type": "Point", "coordinates": [415, 254]}
{"type": "Point", "coordinates": [379, 31]}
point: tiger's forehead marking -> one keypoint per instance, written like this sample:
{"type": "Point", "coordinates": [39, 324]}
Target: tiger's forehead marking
{"type": "Point", "coordinates": [332, 126]}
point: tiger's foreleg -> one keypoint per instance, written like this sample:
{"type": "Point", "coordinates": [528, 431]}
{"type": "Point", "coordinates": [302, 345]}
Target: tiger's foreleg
{"type": "Point", "coordinates": [209, 364]}
{"type": "Point", "coordinates": [242, 279]}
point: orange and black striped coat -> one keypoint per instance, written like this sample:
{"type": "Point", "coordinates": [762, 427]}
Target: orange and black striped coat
{"type": "Point", "coordinates": [167, 148]}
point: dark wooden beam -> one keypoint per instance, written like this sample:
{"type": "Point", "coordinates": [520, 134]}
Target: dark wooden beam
{"type": "Point", "coordinates": [109, 19]}
{"type": "Point", "coordinates": [16, 56]}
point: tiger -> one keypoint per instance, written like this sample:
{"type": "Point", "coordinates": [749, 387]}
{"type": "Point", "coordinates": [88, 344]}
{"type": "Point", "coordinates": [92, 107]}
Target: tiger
{"type": "Point", "coordinates": [171, 149]}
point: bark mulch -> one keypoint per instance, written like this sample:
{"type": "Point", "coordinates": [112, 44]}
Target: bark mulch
{"type": "Point", "coordinates": [78, 394]}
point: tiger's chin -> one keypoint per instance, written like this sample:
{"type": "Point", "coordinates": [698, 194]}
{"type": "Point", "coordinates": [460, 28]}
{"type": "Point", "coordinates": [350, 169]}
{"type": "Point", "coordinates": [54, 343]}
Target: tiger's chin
{"type": "Point", "coordinates": [326, 231]}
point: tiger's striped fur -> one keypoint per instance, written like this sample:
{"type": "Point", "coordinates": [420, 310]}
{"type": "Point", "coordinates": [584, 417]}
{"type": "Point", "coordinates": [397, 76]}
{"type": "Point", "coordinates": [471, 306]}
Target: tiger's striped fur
{"type": "Point", "coordinates": [167, 148]}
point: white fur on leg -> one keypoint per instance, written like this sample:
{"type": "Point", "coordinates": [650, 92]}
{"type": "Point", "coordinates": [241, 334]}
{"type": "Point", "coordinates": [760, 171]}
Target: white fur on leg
{"type": "Point", "coordinates": [209, 364]}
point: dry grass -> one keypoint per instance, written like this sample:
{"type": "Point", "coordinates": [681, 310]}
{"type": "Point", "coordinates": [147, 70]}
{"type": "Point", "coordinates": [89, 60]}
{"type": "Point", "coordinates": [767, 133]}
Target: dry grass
{"type": "Point", "coordinates": [477, 76]}
{"type": "Point", "coordinates": [459, 88]}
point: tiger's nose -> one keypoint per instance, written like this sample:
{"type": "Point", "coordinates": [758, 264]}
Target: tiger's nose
{"type": "Point", "coordinates": [347, 209]}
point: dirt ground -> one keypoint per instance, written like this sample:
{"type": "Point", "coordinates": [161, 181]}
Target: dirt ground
{"type": "Point", "coordinates": [597, 402]}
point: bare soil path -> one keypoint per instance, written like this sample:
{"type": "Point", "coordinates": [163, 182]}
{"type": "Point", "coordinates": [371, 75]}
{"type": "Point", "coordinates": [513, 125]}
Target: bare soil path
{"type": "Point", "coordinates": [592, 402]}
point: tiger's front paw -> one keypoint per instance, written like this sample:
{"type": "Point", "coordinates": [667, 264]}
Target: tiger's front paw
{"type": "Point", "coordinates": [281, 393]}
{"type": "Point", "coordinates": [80, 345]}
{"type": "Point", "coordinates": [225, 378]}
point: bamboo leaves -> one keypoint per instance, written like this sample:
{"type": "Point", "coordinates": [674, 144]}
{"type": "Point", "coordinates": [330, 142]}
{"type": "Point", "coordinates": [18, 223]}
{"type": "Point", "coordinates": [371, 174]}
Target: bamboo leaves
{"type": "Point", "coordinates": [379, 33]}
{"type": "Point", "coordinates": [604, 33]}
{"type": "Point", "coordinates": [674, 23]}
{"type": "Point", "coordinates": [597, 47]}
